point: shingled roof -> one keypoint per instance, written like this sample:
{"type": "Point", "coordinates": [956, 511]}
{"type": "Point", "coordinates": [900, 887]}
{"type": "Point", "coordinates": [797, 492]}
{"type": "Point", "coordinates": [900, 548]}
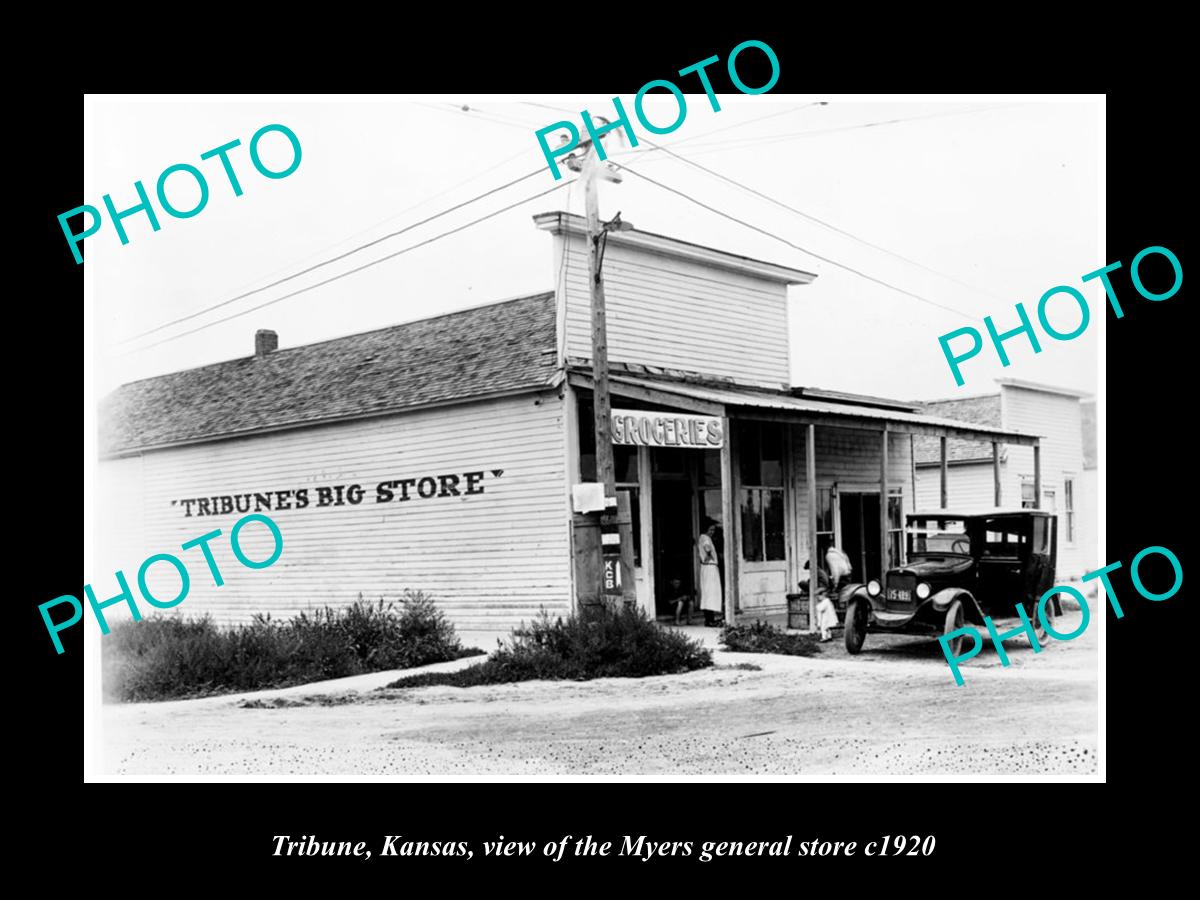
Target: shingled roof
{"type": "Point", "coordinates": [503, 347]}
{"type": "Point", "coordinates": [976, 410]}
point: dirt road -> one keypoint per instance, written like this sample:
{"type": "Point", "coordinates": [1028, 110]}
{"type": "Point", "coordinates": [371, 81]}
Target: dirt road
{"type": "Point", "coordinates": [894, 710]}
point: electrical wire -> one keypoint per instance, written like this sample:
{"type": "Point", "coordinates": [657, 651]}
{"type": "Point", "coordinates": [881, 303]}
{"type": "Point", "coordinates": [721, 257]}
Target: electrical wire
{"type": "Point", "coordinates": [829, 225]}
{"type": "Point", "coordinates": [341, 275]}
{"type": "Point", "coordinates": [706, 134]}
{"type": "Point", "coordinates": [826, 224]}
{"type": "Point", "coordinates": [810, 217]}
{"type": "Point", "coordinates": [327, 262]}
{"type": "Point", "coordinates": [782, 240]}
{"type": "Point", "coordinates": [329, 247]}
{"type": "Point", "coordinates": [766, 140]}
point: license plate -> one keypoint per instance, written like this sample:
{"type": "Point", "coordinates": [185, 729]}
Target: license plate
{"type": "Point", "coordinates": [899, 595]}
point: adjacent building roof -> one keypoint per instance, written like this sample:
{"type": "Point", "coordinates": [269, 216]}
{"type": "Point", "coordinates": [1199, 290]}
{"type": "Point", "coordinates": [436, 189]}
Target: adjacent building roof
{"type": "Point", "coordinates": [983, 410]}
{"type": "Point", "coordinates": [487, 350]}
{"type": "Point", "coordinates": [1040, 386]}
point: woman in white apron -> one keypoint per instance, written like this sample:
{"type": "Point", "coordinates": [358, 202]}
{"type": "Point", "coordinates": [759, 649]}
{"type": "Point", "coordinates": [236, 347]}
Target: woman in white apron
{"type": "Point", "coordinates": [711, 600]}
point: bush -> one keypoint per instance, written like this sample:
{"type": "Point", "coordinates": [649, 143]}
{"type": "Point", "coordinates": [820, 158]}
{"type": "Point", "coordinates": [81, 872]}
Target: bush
{"type": "Point", "coordinates": [761, 637]}
{"type": "Point", "coordinates": [166, 657]}
{"type": "Point", "coordinates": [597, 643]}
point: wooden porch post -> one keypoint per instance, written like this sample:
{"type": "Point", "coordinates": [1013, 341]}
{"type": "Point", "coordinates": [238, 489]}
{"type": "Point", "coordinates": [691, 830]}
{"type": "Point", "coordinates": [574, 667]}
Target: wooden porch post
{"type": "Point", "coordinates": [1037, 475]}
{"type": "Point", "coordinates": [729, 514]}
{"type": "Point", "coordinates": [996, 470]}
{"type": "Point", "coordinates": [883, 503]}
{"type": "Point", "coordinates": [810, 473]}
{"type": "Point", "coordinates": [945, 480]}
{"type": "Point", "coordinates": [912, 459]}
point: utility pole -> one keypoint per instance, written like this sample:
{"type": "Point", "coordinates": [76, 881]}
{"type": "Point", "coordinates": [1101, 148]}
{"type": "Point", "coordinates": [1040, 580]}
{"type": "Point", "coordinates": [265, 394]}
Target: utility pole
{"type": "Point", "coordinates": [591, 169]}
{"type": "Point", "coordinates": [602, 399]}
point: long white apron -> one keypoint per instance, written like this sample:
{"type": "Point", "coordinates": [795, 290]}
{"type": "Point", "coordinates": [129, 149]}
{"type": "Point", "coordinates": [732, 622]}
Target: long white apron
{"type": "Point", "coordinates": [710, 576]}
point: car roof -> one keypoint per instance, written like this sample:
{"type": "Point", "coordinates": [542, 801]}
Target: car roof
{"type": "Point", "coordinates": [976, 514]}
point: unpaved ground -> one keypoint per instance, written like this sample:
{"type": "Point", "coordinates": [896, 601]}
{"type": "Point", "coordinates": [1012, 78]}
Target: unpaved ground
{"type": "Point", "coordinates": [894, 710]}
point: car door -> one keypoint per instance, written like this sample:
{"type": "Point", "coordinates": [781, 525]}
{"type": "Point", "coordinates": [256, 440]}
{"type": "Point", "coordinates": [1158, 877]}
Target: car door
{"type": "Point", "coordinates": [1039, 570]}
{"type": "Point", "coordinates": [1003, 569]}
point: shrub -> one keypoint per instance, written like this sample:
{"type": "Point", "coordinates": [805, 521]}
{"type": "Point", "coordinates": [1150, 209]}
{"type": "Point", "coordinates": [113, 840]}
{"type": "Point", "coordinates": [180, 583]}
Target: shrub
{"type": "Point", "coordinates": [597, 643]}
{"type": "Point", "coordinates": [168, 657]}
{"type": "Point", "coordinates": [762, 637]}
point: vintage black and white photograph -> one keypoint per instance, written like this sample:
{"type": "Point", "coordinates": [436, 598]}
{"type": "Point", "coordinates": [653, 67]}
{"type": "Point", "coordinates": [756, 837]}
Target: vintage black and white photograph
{"type": "Point", "coordinates": [489, 437]}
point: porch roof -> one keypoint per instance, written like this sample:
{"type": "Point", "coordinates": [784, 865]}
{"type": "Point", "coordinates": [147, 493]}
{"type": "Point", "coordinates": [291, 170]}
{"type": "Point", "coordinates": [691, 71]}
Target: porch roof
{"type": "Point", "coordinates": [765, 404]}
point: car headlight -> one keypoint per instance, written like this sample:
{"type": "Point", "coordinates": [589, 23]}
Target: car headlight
{"type": "Point", "coordinates": [873, 588]}
{"type": "Point", "coordinates": [922, 590]}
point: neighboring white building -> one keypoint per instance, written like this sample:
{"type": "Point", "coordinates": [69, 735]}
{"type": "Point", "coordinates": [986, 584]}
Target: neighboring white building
{"type": "Point", "coordinates": [441, 454]}
{"type": "Point", "coordinates": [1067, 487]}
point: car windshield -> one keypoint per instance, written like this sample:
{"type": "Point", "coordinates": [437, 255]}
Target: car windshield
{"type": "Point", "coordinates": [938, 536]}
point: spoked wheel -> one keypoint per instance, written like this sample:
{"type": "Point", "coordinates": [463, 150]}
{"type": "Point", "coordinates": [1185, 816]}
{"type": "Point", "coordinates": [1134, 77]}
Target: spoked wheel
{"type": "Point", "coordinates": [955, 619]}
{"type": "Point", "coordinates": [856, 625]}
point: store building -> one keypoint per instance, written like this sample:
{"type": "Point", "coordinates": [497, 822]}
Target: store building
{"type": "Point", "coordinates": [441, 455]}
{"type": "Point", "coordinates": [1055, 413]}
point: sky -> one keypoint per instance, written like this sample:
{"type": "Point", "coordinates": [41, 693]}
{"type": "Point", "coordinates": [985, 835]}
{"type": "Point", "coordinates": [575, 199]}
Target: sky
{"type": "Point", "coordinates": [990, 201]}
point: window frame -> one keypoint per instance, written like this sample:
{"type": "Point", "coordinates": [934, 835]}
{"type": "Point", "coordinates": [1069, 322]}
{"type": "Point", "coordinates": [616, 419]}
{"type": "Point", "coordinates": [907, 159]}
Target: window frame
{"type": "Point", "coordinates": [761, 492]}
{"type": "Point", "coordinates": [1069, 508]}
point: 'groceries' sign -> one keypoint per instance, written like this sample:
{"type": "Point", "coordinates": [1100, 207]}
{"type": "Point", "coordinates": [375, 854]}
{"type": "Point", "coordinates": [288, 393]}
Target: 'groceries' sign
{"type": "Point", "coordinates": [653, 428]}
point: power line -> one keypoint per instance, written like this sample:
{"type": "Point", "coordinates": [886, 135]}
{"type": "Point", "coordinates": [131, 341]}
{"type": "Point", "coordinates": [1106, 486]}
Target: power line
{"type": "Point", "coordinates": [828, 225]}
{"type": "Point", "coordinates": [694, 137]}
{"type": "Point", "coordinates": [782, 240]}
{"type": "Point", "coordinates": [764, 140]}
{"type": "Point", "coordinates": [384, 220]}
{"type": "Point", "coordinates": [327, 262]}
{"type": "Point", "coordinates": [340, 275]}
{"type": "Point", "coordinates": [456, 108]}
{"type": "Point", "coordinates": [397, 215]}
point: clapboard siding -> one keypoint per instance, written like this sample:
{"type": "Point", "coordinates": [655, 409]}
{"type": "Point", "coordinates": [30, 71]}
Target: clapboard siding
{"type": "Point", "coordinates": [679, 314]}
{"type": "Point", "coordinates": [491, 560]}
{"type": "Point", "coordinates": [970, 487]}
{"type": "Point", "coordinates": [1058, 419]}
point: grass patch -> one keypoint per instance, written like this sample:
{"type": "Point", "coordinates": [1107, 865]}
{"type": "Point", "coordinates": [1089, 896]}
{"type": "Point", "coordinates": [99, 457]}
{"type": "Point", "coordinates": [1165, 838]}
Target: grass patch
{"type": "Point", "coordinates": [762, 637]}
{"type": "Point", "coordinates": [596, 643]}
{"type": "Point", "coordinates": [164, 658]}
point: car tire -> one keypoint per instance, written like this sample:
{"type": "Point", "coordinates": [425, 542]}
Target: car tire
{"type": "Point", "coordinates": [956, 618]}
{"type": "Point", "coordinates": [1043, 637]}
{"type": "Point", "coordinates": [856, 625]}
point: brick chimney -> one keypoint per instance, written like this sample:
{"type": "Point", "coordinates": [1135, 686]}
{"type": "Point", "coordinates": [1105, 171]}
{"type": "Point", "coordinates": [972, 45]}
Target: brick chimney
{"type": "Point", "coordinates": [265, 341]}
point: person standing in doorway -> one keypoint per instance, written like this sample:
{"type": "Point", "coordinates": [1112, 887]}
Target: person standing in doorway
{"type": "Point", "coordinates": [711, 599]}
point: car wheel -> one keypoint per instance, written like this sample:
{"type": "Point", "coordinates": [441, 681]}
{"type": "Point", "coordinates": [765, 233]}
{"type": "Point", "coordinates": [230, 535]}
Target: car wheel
{"type": "Point", "coordinates": [955, 619]}
{"type": "Point", "coordinates": [856, 624]}
{"type": "Point", "coordinates": [1043, 637]}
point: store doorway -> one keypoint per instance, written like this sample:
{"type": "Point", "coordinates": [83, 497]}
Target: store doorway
{"type": "Point", "coordinates": [860, 534]}
{"type": "Point", "coordinates": [674, 542]}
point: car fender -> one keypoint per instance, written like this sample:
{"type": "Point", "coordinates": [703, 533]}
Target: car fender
{"type": "Point", "coordinates": [971, 611]}
{"type": "Point", "coordinates": [851, 591]}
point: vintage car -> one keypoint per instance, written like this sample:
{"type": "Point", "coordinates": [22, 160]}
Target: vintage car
{"type": "Point", "coordinates": [960, 568]}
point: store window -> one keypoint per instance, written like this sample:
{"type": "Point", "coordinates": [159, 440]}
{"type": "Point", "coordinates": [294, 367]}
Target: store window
{"type": "Point", "coordinates": [760, 455]}
{"type": "Point", "coordinates": [895, 527]}
{"type": "Point", "coordinates": [825, 536]}
{"type": "Point", "coordinates": [1069, 508]}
